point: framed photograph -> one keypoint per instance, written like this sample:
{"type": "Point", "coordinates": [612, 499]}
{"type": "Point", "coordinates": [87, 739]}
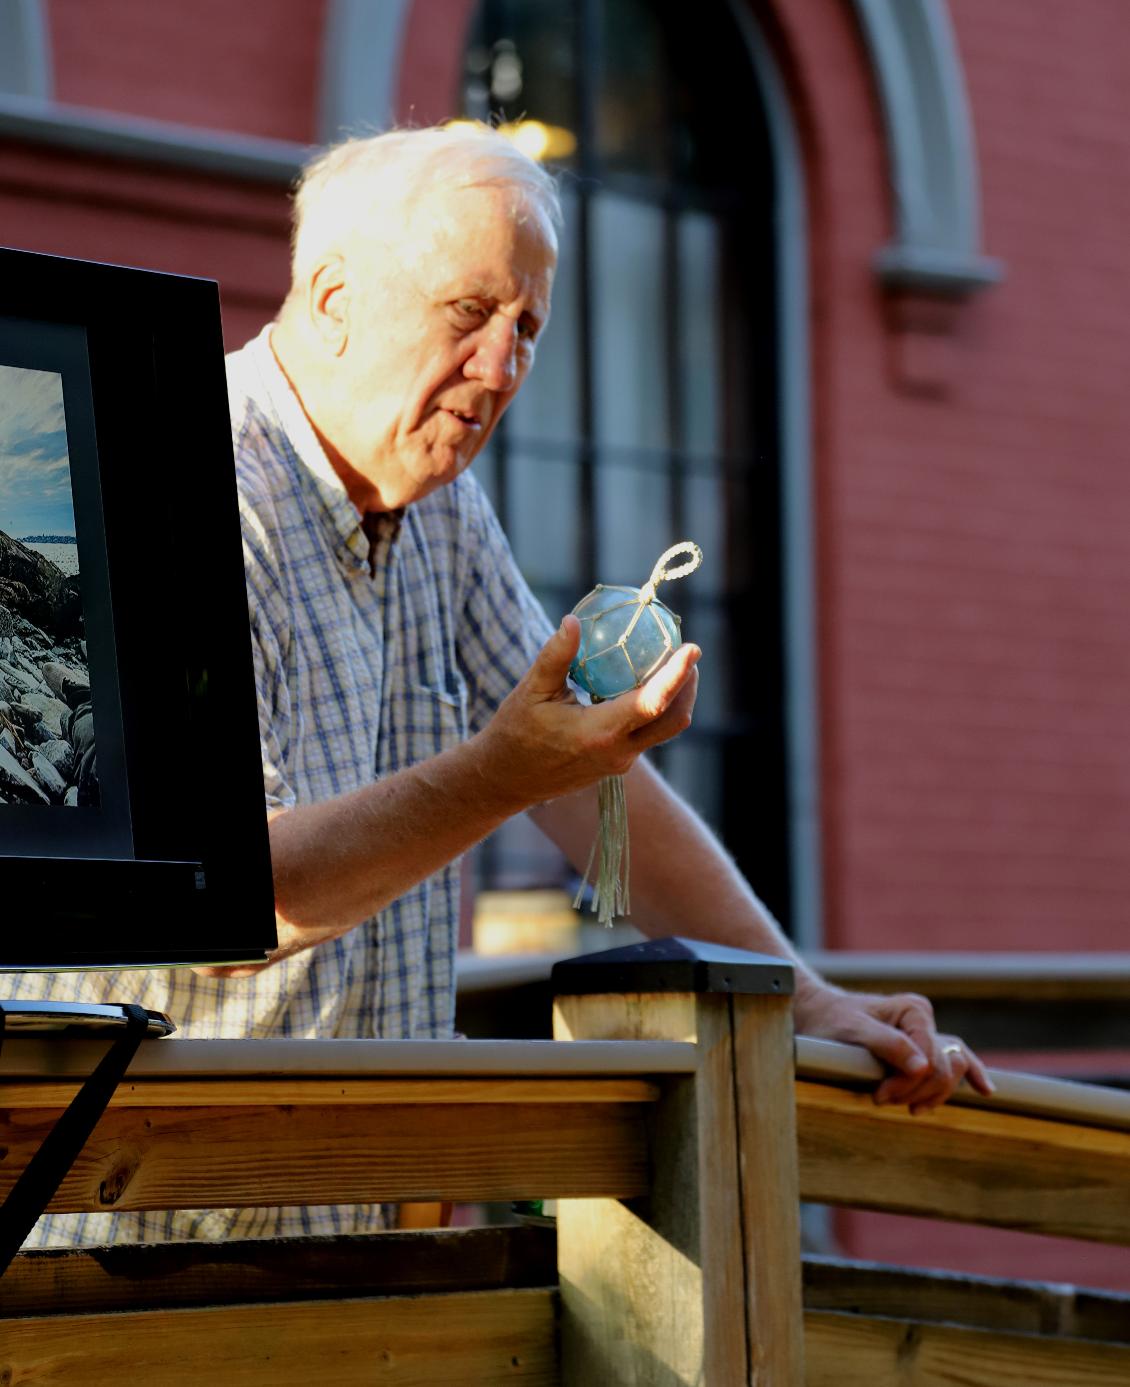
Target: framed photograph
{"type": "Point", "coordinates": [132, 824]}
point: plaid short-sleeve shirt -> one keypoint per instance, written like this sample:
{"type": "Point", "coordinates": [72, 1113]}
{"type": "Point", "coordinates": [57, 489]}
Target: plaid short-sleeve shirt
{"type": "Point", "coordinates": [363, 667]}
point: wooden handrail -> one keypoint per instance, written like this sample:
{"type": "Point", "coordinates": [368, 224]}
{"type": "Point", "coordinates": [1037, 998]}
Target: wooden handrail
{"type": "Point", "coordinates": [1033, 1095]}
{"type": "Point", "coordinates": [964, 975]}
{"type": "Point", "coordinates": [26, 1057]}
{"type": "Point", "coordinates": [988, 976]}
{"type": "Point", "coordinates": [1015, 1001]}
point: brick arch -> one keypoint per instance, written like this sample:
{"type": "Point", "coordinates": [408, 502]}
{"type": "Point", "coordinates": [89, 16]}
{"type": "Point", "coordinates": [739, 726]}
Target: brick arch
{"type": "Point", "coordinates": [430, 71]}
{"type": "Point", "coordinates": [930, 148]}
{"type": "Point", "coordinates": [396, 62]}
{"type": "Point", "coordinates": [917, 73]}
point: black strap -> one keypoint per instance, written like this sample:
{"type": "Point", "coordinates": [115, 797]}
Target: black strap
{"type": "Point", "coordinates": [45, 1172]}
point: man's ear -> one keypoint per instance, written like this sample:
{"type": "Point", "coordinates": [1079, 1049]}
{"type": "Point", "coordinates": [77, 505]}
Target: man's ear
{"type": "Point", "coordinates": [328, 302]}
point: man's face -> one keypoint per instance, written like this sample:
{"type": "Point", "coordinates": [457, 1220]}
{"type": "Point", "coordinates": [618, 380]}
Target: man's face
{"type": "Point", "coordinates": [441, 341]}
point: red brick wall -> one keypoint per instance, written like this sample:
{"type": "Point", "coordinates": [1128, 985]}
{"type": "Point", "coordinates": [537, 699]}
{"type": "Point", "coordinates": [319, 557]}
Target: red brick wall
{"type": "Point", "coordinates": [973, 556]}
{"type": "Point", "coordinates": [160, 219]}
{"type": "Point", "coordinates": [251, 66]}
{"type": "Point", "coordinates": [973, 559]}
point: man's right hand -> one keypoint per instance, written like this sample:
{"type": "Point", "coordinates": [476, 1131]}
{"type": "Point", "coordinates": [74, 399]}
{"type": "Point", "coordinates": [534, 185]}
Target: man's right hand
{"type": "Point", "coordinates": [543, 742]}
{"type": "Point", "coordinates": [341, 860]}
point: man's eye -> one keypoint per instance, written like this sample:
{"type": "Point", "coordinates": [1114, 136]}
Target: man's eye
{"type": "Point", "coordinates": [527, 331]}
{"type": "Point", "coordinates": [469, 308]}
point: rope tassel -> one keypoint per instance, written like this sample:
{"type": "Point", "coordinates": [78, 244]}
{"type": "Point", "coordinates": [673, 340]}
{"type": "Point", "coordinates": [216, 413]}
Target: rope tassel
{"type": "Point", "coordinates": [627, 634]}
{"type": "Point", "coordinates": [611, 896]}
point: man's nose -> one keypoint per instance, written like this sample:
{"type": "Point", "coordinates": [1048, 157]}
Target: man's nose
{"type": "Point", "coordinates": [494, 361]}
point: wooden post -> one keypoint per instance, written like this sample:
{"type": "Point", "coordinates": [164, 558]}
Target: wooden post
{"type": "Point", "coordinates": [699, 1282]}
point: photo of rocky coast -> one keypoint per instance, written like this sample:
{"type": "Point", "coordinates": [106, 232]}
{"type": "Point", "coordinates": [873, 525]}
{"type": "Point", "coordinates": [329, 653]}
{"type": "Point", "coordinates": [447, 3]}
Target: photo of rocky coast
{"type": "Point", "coordinates": [47, 749]}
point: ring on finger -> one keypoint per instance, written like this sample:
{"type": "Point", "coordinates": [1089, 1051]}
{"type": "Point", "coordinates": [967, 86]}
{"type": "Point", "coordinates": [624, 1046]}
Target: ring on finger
{"type": "Point", "coordinates": [954, 1048]}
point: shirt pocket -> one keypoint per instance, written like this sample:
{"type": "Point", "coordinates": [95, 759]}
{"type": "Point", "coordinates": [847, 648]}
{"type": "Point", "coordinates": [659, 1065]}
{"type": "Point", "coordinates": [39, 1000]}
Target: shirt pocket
{"type": "Point", "coordinates": [436, 719]}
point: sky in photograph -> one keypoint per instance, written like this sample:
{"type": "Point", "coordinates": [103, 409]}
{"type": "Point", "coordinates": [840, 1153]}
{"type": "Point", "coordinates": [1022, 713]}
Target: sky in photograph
{"type": "Point", "coordinates": [35, 475]}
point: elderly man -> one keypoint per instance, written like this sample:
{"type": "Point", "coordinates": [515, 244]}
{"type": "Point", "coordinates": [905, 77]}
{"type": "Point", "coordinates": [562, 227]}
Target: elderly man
{"type": "Point", "coordinates": [412, 694]}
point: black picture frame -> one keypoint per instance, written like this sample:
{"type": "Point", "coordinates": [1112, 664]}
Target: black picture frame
{"type": "Point", "coordinates": [173, 866]}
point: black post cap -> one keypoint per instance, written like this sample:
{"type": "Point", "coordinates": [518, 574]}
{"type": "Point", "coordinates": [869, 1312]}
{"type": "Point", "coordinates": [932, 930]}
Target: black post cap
{"type": "Point", "coordinates": [673, 965]}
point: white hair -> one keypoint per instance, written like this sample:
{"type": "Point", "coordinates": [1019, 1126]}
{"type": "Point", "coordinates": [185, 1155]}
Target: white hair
{"type": "Point", "coordinates": [354, 185]}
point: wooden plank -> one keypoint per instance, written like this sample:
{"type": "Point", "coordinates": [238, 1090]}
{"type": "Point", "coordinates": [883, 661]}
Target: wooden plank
{"type": "Point", "coordinates": [187, 1274]}
{"type": "Point", "coordinates": [632, 1289]}
{"type": "Point", "coordinates": [1047, 977]}
{"type": "Point", "coordinates": [1041, 976]}
{"type": "Point", "coordinates": [726, 1248]}
{"type": "Point", "coordinates": [627, 1017]}
{"type": "Point", "coordinates": [481, 1339]}
{"type": "Point", "coordinates": [1003, 1001]}
{"type": "Point", "coordinates": [60, 1058]}
{"type": "Point", "coordinates": [856, 1351]}
{"type": "Point", "coordinates": [1012, 1001]}
{"type": "Point", "coordinates": [977, 1302]}
{"type": "Point", "coordinates": [701, 1282]}
{"type": "Point", "coordinates": [762, 1055]}
{"type": "Point", "coordinates": [963, 1163]}
{"type": "Point", "coordinates": [242, 1092]}
{"type": "Point", "coordinates": [157, 1158]}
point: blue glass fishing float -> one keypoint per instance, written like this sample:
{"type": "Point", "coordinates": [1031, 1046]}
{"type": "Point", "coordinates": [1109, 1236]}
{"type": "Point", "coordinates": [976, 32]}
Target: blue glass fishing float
{"type": "Point", "coordinates": [627, 634]}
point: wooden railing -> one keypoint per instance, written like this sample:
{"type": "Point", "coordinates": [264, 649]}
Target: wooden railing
{"type": "Point", "coordinates": [1042, 1155]}
{"type": "Point", "coordinates": [997, 1001]}
{"type": "Point", "coordinates": [277, 1122]}
{"type": "Point", "coordinates": [678, 1135]}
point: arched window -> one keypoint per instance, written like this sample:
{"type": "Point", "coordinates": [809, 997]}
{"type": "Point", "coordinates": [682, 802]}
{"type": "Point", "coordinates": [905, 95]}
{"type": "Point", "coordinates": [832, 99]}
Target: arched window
{"type": "Point", "coordinates": [651, 415]}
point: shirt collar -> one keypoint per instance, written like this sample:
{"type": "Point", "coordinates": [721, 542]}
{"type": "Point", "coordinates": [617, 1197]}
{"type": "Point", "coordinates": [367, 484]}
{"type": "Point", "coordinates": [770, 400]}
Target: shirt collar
{"type": "Point", "coordinates": [356, 538]}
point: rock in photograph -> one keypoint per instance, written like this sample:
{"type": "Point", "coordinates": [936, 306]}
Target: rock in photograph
{"type": "Point", "coordinates": [47, 749]}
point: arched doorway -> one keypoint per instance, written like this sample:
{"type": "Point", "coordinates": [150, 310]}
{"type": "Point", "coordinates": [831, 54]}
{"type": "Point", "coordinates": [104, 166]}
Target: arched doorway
{"type": "Point", "coordinates": [652, 414]}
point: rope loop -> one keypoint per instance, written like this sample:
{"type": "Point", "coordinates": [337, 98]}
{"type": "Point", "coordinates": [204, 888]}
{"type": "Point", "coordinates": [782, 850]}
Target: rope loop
{"type": "Point", "coordinates": [661, 574]}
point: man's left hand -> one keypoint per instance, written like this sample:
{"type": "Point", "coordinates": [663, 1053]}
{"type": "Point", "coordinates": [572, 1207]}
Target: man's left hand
{"type": "Point", "coordinates": [899, 1031]}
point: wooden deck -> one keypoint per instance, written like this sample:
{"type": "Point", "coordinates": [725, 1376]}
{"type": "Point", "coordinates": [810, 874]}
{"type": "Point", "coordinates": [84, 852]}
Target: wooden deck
{"type": "Point", "coordinates": [679, 1160]}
